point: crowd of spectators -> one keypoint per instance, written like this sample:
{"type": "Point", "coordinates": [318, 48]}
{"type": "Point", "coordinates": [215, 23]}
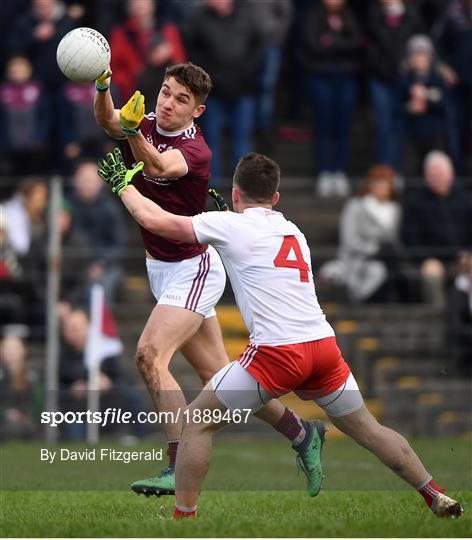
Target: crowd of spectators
{"type": "Point", "coordinates": [406, 62]}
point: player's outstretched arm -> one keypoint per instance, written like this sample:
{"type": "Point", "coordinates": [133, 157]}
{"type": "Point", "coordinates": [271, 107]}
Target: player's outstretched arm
{"type": "Point", "coordinates": [103, 108]}
{"type": "Point", "coordinates": [170, 164]}
{"type": "Point", "coordinates": [144, 211]}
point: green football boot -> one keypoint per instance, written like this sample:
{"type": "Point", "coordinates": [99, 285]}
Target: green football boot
{"type": "Point", "coordinates": [309, 459]}
{"type": "Point", "coordinates": [162, 484]}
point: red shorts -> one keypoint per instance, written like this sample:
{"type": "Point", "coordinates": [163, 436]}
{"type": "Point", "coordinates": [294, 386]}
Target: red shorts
{"type": "Point", "coordinates": [311, 370]}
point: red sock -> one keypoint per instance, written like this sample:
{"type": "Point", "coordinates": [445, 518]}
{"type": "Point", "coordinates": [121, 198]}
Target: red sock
{"type": "Point", "coordinates": [429, 492]}
{"type": "Point", "coordinates": [180, 512]}
{"type": "Point", "coordinates": [172, 451]}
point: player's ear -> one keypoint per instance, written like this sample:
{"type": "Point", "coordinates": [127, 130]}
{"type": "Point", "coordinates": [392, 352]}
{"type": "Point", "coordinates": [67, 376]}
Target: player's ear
{"type": "Point", "coordinates": [275, 198]}
{"type": "Point", "coordinates": [199, 110]}
{"type": "Point", "coordinates": [235, 195]}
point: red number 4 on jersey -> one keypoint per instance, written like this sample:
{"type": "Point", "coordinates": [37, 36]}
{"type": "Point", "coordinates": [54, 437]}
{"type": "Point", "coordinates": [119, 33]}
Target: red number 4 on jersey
{"type": "Point", "coordinates": [282, 261]}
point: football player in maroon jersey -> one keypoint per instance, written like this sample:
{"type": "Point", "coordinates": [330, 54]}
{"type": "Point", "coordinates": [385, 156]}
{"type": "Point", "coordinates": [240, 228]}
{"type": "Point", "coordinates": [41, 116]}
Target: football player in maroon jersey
{"type": "Point", "coordinates": [187, 280]}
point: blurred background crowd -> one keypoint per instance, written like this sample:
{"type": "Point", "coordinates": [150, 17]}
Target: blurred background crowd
{"type": "Point", "coordinates": [366, 104]}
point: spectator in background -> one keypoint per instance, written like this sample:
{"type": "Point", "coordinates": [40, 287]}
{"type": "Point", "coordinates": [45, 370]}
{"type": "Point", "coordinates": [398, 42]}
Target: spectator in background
{"type": "Point", "coordinates": [459, 314]}
{"type": "Point", "coordinates": [24, 116]}
{"type": "Point", "coordinates": [136, 44]}
{"type": "Point", "coordinates": [389, 25]}
{"type": "Point", "coordinates": [12, 290]}
{"type": "Point", "coordinates": [37, 35]}
{"type": "Point", "coordinates": [23, 220]}
{"type": "Point", "coordinates": [77, 271]}
{"type": "Point", "coordinates": [293, 66]}
{"type": "Point", "coordinates": [151, 77]}
{"type": "Point", "coordinates": [275, 17]}
{"type": "Point", "coordinates": [9, 11]}
{"type": "Point", "coordinates": [332, 46]}
{"type": "Point", "coordinates": [80, 134]}
{"type": "Point", "coordinates": [369, 245]}
{"type": "Point", "coordinates": [224, 38]}
{"type": "Point", "coordinates": [437, 225]}
{"type": "Point", "coordinates": [73, 373]}
{"type": "Point", "coordinates": [423, 99]}
{"type": "Point", "coordinates": [96, 216]}
{"type": "Point", "coordinates": [454, 34]}
{"type": "Point", "coordinates": [25, 215]}
{"type": "Point", "coordinates": [16, 391]}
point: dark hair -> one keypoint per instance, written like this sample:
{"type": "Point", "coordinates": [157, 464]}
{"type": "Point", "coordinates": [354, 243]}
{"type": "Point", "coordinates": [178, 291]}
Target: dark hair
{"type": "Point", "coordinates": [258, 177]}
{"type": "Point", "coordinates": [193, 77]}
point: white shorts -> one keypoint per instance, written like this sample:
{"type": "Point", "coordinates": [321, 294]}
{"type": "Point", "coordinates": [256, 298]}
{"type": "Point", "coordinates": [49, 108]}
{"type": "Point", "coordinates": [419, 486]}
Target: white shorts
{"type": "Point", "coordinates": [195, 284]}
{"type": "Point", "coordinates": [235, 388]}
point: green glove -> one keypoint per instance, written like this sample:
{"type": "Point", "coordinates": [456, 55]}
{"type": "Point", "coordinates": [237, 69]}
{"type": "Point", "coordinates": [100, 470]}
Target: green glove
{"type": "Point", "coordinates": [113, 170]}
{"type": "Point", "coordinates": [102, 83]}
{"type": "Point", "coordinates": [218, 200]}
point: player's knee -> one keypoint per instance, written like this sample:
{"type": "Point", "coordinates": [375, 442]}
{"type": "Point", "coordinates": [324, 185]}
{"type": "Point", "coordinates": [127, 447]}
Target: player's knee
{"type": "Point", "coordinates": [194, 426]}
{"type": "Point", "coordinates": [148, 360]}
{"type": "Point", "coordinates": [205, 374]}
{"type": "Point", "coordinates": [366, 431]}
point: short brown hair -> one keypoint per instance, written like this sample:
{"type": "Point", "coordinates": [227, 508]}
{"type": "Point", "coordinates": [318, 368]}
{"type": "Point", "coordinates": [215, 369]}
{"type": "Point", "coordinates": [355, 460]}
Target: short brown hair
{"type": "Point", "coordinates": [193, 77]}
{"type": "Point", "coordinates": [258, 177]}
{"type": "Point", "coordinates": [376, 173]}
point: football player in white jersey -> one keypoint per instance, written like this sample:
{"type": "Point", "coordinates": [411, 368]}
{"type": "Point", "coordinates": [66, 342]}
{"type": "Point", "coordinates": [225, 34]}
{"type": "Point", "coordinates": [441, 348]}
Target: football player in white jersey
{"type": "Point", "coordinates": [292, 347]}
{"type": "Point", "coordinates": [186, 280]}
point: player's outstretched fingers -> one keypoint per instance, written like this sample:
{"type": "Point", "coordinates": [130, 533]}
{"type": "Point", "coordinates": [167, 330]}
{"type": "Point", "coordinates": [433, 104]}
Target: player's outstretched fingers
{"type": "Point", "coordinates": [118, 155]}
{"type": "Point", "coordinates": [139, 106]}
{"type": "Point", "coordinates": [103, 170]}
{"type": "Point", "coordinates": [110, 160]}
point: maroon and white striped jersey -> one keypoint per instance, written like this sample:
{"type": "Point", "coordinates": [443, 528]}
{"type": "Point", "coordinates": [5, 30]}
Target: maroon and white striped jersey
{"type": "Point", "coordinates": [184, 196]}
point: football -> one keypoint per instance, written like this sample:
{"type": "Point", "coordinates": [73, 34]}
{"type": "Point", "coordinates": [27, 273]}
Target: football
{"type": "Point", "coordinates": [83, 54]}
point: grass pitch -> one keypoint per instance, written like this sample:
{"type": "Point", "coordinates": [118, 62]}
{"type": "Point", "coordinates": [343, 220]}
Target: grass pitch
{"type": "Point", "coordinates": [252, 490]}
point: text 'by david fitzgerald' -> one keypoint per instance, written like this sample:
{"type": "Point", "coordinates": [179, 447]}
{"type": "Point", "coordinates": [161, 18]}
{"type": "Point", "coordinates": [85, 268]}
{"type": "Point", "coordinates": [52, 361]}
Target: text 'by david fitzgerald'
{"type": "Point", "coordinates": [99, 454]}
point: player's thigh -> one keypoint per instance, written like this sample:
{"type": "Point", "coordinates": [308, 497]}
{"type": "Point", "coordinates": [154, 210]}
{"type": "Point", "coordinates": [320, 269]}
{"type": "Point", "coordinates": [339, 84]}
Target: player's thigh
{"type": "Point", "coordinates": [205, 412]}
{"type": "Point", "coordinates": [237, 389]}
{"type": "Point", "coordinates": [166, 329]}
{"type": "Point", "coordinates": [195, 284]}
{"type": "Point", "coordinates": [344, 401]}
{"type": "Point", "coordinates": [360, 425]}
{"type": "Point", "coordinates": [205, 350]}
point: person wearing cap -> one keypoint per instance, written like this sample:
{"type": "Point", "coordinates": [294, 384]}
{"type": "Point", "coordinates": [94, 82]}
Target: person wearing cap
{"type": "Point", "coordinates": [423, 99]}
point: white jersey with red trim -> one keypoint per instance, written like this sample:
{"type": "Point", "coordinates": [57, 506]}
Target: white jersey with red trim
{"type": "Point", "coordinates": [268, 262]}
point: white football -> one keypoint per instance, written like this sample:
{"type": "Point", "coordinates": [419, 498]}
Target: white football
{"type": "Point", "coordinates": [83, 54]}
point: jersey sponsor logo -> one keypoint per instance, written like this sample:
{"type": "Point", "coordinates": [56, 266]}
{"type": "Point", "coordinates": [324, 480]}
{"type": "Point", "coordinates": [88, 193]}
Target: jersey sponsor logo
{"type": "Point", "coordinates": [164, 148]}
{"type": "Point", "coordinates": [160, 180]}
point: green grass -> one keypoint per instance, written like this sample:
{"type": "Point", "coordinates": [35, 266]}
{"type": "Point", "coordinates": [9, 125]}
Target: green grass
{"type": "Point", "coordinates": [252, 490]}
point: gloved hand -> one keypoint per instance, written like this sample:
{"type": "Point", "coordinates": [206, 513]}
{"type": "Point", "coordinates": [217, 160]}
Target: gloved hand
{"type": "Point", "coordinates": [132, 114]}
{"type": "Point", "coordinates": [218, 200]}
{"type": "Point", "coordinates": [102, 83]}
{"type": "Point", "coordinates": [114, 172]}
